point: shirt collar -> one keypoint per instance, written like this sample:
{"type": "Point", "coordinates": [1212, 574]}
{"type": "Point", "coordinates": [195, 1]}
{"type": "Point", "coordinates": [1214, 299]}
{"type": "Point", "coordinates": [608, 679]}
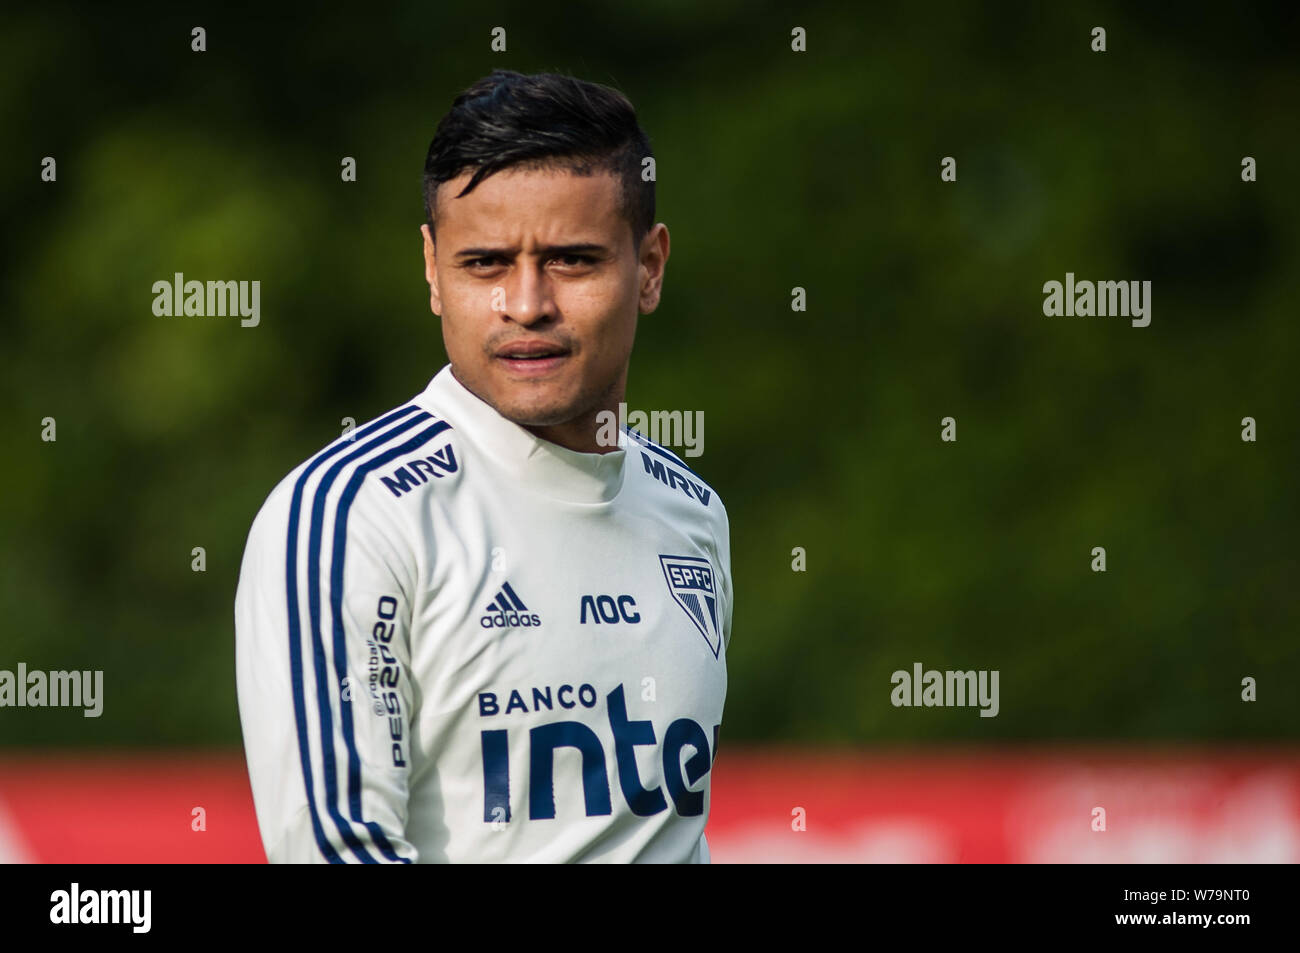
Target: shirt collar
{"type": "Point", "coordinates": [536, 464]}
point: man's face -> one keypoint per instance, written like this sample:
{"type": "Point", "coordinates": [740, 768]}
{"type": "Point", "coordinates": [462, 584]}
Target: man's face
{"type": "Point", "coordinates": [539, 283]}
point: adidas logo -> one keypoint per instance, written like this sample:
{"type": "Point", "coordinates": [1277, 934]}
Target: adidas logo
{"type": "Point", "coordinates": [508, 611]}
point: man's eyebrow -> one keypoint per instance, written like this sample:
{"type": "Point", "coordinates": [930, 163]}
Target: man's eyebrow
{"type": "Point", "coordinates": [578, 248]}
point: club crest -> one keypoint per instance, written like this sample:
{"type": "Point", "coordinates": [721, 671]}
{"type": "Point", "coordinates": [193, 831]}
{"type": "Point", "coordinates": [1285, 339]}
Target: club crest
{"type": "Point", "coordinates": [691, 581]}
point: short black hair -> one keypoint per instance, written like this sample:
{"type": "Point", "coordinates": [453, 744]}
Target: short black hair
{"type": "Point", "coordinates": [507, 119]}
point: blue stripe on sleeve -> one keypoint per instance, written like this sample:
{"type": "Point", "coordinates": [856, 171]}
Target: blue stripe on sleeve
{"type": "Point", "coordinates": [295, 636]}
{"type": "Point", "coordinates": [336, 611]}
{"type": "Point", "coordinates": [317, 638]}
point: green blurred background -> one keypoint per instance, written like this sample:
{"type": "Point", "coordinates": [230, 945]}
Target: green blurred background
{"type": "Point", "coordinates": [775, 169]}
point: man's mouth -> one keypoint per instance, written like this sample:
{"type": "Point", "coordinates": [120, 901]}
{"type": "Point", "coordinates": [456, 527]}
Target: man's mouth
{"type": "Point", "coordinates": [532, 357]}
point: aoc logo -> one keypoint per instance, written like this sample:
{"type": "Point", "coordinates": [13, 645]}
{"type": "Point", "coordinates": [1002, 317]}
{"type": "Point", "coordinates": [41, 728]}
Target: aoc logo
{"type": "Point", "coordinates": [609, 610]}
{"type": "Point", "coordinates": [690, 580]}
{"type": "Point", "coordinates": [508, 611]}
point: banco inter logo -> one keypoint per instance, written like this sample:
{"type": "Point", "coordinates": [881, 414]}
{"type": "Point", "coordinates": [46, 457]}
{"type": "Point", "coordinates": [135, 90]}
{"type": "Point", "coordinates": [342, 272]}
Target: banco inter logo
{"type": "Point", "coordinates": [690, 580]}
{"type": "Point", "coordinates": [507, 611]}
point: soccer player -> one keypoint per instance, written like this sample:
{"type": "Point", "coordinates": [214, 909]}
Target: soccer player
{"type": "Point", "coordinates": [489, 625]}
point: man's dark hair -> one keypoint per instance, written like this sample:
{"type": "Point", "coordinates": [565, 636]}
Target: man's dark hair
{"type": "Point", "coordinates": [507, 119]}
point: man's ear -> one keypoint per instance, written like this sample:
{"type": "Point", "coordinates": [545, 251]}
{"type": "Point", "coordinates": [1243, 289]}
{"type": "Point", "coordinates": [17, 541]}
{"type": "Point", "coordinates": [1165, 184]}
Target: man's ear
{"type": "Point", "coordinates": [431, 270]}
{"type": "Point", "coordinates": [653, 256]}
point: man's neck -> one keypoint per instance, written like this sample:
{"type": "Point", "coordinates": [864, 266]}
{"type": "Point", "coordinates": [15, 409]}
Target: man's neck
{"type": "Point", "coordinates": [582, 434]}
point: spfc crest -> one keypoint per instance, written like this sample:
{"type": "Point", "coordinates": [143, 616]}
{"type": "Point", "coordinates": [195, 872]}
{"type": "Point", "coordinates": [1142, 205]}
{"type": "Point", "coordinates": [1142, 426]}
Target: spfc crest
{"type": "Point", "coordinates": [691, 581]}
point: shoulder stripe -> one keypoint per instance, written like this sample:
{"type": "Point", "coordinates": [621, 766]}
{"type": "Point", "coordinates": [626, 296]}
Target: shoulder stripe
{"type": "Point", "coordinates": [315, 533]}
{"type": "Point", "coordinates": [294, 618]}
{"type": "Point", "coordinates": [666, 454]}
{"type": "Point", "coordinates": [323, 688]}
{"type": "Point", "coordinates": [336, 612]}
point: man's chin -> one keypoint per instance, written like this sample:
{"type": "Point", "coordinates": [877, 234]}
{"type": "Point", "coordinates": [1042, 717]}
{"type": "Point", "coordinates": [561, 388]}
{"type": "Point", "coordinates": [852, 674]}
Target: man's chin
{"type": "Point", "coordinates": [537, 410]}
{"type": "Point", "coordinates": [537, 417]}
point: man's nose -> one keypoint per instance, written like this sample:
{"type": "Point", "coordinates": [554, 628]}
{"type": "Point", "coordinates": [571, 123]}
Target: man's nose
{"type": "Point", "coordinates": [529, 296]}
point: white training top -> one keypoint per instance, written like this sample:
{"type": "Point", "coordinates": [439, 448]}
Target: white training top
{"type": "Point", "coordinates": [458, 642]}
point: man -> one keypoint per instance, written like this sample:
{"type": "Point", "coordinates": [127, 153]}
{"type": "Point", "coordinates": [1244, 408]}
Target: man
{"type": "Point", "coordinates": [477, 628]}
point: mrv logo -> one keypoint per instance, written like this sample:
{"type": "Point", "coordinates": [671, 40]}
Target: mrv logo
{"type": "Point", "coordinates": [507, 611]}
{"type": "Point", "coordinates": [543, 741]}
{"type": "Point", "coordinates": [608, 609]}
{"type": "Point", "coordinates": [415, 473]}
{"type": "Point", "coordinates": [690, 580]}
{"type": "Point", "coordinates": [671, 478]}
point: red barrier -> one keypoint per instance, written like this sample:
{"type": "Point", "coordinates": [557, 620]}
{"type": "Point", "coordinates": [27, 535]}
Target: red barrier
{"type": "Point", "coordinates": [769, 805]}
{"type": "Point", "coordinates": [1008, 806]}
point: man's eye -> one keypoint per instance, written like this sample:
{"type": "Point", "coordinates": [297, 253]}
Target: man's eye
{"type": "Point", "coordinates": [487, 262]}
{"type": "Point", "coordinates": [573, 260]}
